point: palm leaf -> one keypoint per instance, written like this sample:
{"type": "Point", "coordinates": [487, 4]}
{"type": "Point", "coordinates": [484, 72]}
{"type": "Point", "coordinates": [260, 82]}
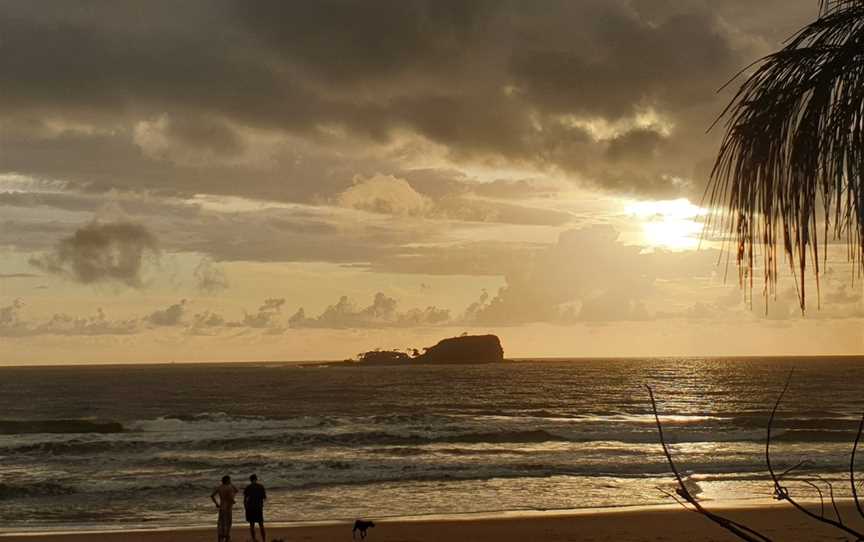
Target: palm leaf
{"type": "Point", "coordinates": [791, 161]}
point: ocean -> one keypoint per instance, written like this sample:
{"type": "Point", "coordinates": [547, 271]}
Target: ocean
{"type": "Point", "coordinates": [334, 443]}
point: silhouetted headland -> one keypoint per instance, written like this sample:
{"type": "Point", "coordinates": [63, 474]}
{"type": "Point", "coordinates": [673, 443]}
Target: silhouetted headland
{"type": "Point", "coordinates": [466, 349]}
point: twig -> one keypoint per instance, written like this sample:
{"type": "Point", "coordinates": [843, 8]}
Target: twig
{"type": "Point", "coordinates": [852, 468]}
{"type": "Point", "coordinates": [780, 492]}
{"type": "Point", "coordinates": [821, 498]}
{"type": "Point", "coordinates": [833, 501]}
{"type": "Point", "coordinates": [674, 497]}
{"type": "Point", "coordinates": [741, 531]}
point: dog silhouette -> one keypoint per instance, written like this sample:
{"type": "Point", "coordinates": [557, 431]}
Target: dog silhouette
{"type": "Point", "coordinates": [362, 526]}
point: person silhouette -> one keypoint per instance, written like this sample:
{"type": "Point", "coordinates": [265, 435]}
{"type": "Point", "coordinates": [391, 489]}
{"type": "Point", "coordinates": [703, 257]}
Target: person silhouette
{"type": "Point", "coordinates": [225, 505]}
{"type": "Point", "coordinates": [254, 496]}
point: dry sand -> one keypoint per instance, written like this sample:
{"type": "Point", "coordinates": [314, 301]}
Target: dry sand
{"type": "Point", "coordinates": [778, 522]}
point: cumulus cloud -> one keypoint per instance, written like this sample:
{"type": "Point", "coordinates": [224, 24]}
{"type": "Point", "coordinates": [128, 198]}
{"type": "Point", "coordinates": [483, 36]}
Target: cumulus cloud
{"type": "Point", "coordinates": [13, 324]}
{"type": "Point", "coordinates": [169, 316]}
{"type": "Point", "coordinates": [97, 252]}
{"type": "Point", "coordinates": [382, 312]}
{"type": "Point", "coordinates": [97, 324]}
{"type": "Point", "coordinates": [385, 194]}
{"type": "Point", "coordinates": [588, 275]}
{"type": "Point", "coordinates": [266, 317]}
{"type": "Point", "coordinates": [206, 320]}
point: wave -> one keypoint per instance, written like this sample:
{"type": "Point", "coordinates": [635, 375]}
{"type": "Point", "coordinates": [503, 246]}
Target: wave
{"type": "Point", "coordinates": [220, 421]}
{"type": "Point", "coordinates": [314, 438]}
{"type": "Point", "coordinates": [809, 435]}
{"type": "Point", "coordinates": [21, 427]}
{"type": "Point", "coordinates": [37, 489]}
{"type": "Point", "coordinates": [297, 439]}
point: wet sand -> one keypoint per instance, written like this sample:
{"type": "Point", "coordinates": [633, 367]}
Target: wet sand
{"type": "Point", "coordinates": [670, 524]}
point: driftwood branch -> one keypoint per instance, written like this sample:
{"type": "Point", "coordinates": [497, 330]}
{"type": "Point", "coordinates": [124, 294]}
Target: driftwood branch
{"type": "Point", "coordinates": [782, 493]}
{"type": "Point", "coordinates": [741, 531]}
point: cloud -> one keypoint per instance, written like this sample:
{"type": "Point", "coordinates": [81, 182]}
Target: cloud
{"type": "Point", "coordinates": [169, 316]}
{"type": "Point", "coordinates": [205, 323]}
{"type": "Point", "coordinates": [188, 141]}
{"type": "Point", "coordinates": [459, 84]}
{"type": "Point", "coordinates": [209, 277]}
{"type": "Point", "coordinates": [389, 195]}
{"type": "Point", "coordinates": [588, 275]}
{"type": "Point", "coordinates": [110, 252]}
{"type": "Point", "coordinates": [385, 194]}
{"type": "Point", "coordinates": [267, 317]}
{"type": "Point", "coordinates": [517, 189]}
{"type": "Point", "coordinates": [613, 306]}
{"type": "Point", "coordinates": [98, 324]}
{"type": "Point", "coordinates": [10, 322]}
{"type": "Point", "coordinates": [382, 312]}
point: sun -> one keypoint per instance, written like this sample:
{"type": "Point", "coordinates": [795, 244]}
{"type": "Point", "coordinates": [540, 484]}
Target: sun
{"type": "Point", "coordinates": [669, 224]}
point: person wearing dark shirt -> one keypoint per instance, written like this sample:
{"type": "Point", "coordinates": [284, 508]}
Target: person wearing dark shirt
{"type": "Point", "coordinates": [253, 500]}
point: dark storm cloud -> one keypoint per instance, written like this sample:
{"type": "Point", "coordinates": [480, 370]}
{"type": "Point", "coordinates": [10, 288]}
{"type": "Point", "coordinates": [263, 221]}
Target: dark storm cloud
{"type": "Point", "coordinates": [111, 252]}
{"type": "Point", "coordinates": [497, 81]}
{"type": "Point", "coordinates": [347, 41]}
{"type": "Point", "coordinates": [636, 145]}
{"type": "Point", "coordinates": [620, 61]}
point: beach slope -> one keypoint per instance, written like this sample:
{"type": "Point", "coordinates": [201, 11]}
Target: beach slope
{"type": "Point", "coordinates": [668, 524]}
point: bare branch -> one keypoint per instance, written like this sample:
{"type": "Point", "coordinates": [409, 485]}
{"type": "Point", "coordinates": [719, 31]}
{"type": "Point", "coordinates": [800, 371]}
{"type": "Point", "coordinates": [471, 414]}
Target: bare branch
{"type": "Point", "coordinates": [793, 468]}
{"type": "Point", "coordinates": [821, 498]}
{"type": "Point", "coordinates": [852, 468]}
{"type": "Point", "coordinates": [833, 500]}
{"type": "Point", "coordinates": [782, 493]}
{"type": "Point", "coordinates": [741, 531]}
{"type": "Point", "coordinates": [674, 497]}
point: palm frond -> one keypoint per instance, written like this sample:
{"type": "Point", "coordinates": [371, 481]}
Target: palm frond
{"type": "Point", "coordinates": [794, 147]}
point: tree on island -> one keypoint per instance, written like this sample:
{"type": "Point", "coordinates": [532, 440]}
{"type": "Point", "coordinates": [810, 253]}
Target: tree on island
{"type": "Point", "coordinates": [793, 156]}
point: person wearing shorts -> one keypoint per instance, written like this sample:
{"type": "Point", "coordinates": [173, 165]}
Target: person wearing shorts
{"type": "Point", "coordinates": [254, 496]}
{"type": "Point", "coordinates": [225, 505]}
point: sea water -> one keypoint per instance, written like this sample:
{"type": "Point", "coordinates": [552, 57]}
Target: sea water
{"type": "Point", "coordinates": [334, 443]}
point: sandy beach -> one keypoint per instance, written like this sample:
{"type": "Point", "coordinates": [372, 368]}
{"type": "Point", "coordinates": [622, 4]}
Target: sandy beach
{"type": "Point", "coordinates": [669, 524]}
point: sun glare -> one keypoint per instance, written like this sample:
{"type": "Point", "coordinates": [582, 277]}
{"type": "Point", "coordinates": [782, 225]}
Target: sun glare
{"type": "Point", "coordinates": [670, 224]}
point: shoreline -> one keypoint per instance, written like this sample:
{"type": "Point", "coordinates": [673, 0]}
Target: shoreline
{"type": "Point", "coordinates": [669, 523]}
{"type": "Point", "coordinates": [737, 506]}
{"type": "Point", "coordinates": [454, 517]}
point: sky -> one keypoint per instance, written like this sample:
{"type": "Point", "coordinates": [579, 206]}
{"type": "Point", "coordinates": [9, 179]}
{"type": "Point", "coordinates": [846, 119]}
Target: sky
{"type": "Point", "coordinates": [226, 181]}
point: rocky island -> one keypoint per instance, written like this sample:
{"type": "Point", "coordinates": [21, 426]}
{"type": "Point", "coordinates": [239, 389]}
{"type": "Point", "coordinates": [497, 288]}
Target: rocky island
{"type": "Point", "coordinates": [466, 349]}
